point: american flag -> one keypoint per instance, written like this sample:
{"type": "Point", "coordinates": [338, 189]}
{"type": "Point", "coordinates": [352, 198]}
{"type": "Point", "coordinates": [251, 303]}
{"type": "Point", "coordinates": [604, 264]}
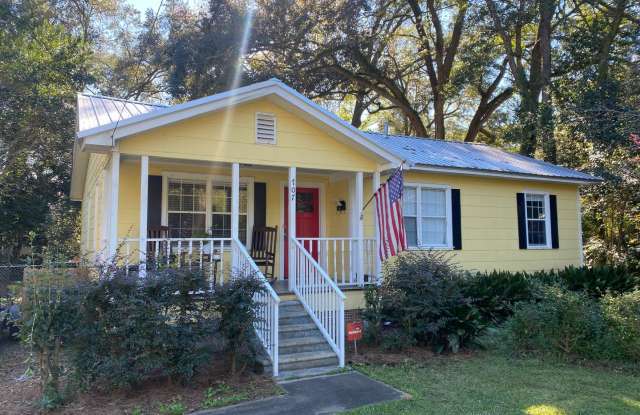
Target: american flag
{"type": "Point", "coordinates": [393, 238]}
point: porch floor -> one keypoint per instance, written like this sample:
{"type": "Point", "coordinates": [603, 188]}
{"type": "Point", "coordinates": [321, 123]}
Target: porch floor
{"type": "Point", "coordinates": [281, 287]}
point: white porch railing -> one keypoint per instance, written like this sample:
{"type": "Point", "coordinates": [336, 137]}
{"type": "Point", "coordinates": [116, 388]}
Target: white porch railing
{"type": "Point", "coordinates": [266, 325]}
{"type": "Point", "coordinates": [209, 254]}
{"type": "Point", "coordinates": [338, 257]}
{"type": "Point", "coordinates": [320, 296]}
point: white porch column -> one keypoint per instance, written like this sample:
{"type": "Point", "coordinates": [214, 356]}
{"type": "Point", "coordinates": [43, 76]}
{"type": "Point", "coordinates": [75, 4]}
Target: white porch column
{"type": "Point", "coordinates": [144, 201]}
{"type": "Point", "coordinates": [114, 185]}
{"type": "Point", "coordinates": [291, 226]}
{"type": "Point", "coordinates": [375, 184]}
{"type": "Point", "coordinates": [235, 207]}
{"type": "Point", "coordinates": [359, 227]}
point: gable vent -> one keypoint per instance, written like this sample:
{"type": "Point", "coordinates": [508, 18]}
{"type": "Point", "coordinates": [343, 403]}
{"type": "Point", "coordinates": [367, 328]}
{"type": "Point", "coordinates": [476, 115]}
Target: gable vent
{"type": "Point", "coordinates": [265, 128]}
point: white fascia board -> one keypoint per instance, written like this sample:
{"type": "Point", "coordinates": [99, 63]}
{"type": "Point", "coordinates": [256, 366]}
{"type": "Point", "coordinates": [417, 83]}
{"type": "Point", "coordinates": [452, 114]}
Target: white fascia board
{"type": "Point", "coordinates": [80, 163]}
{"type": "Point", "coordinates": [517, 176]}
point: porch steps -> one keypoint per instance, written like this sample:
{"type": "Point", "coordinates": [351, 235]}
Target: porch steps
{"type": "Point", "coordinates": [302, 347]}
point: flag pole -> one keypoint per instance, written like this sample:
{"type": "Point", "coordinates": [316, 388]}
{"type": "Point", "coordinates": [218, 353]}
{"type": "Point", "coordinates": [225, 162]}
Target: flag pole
{"type": "Point", "coordinates": [375, 190]}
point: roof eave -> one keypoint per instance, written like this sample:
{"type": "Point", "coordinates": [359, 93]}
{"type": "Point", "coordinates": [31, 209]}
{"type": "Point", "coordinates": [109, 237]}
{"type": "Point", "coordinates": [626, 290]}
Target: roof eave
{"type": "Point", "coordinates": [504, 175]}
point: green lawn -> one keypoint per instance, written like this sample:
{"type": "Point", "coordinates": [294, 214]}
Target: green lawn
{"type": "Point", "coordinates": [488, 384]}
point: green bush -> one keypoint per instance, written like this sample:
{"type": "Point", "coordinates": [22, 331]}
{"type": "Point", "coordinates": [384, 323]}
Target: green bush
{"type": "Point", "coordinates": [133, 329]}
{"type": "Point", "coordinates": [601, 280]}
{"type": "Point", "coordinates": [622, 314]}
{"type": "Point", "coordinates": [422, 296]}
{"type": "Point", "coordinates": [495, 293]}
{"type": "Point", "coordinates": [238, 311]}
{"type": "Point", "coordinates": [562, 322]}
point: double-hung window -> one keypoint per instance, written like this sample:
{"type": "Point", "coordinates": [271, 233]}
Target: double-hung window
{"type": "Point", "coordinates": [427, 216]}
{"type": "Point", "coordinates": [187, 208]}
{"type": "Point", "coordinates": [200, 206]}
{"type": "Point", "coordinates": [221, 211]}
{"type": "Point", "coordinates": [538, 223]}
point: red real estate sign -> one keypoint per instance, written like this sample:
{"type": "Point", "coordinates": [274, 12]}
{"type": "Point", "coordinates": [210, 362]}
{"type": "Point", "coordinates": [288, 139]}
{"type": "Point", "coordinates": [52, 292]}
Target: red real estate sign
{"type": "Point", "coordinates": [354, 331]}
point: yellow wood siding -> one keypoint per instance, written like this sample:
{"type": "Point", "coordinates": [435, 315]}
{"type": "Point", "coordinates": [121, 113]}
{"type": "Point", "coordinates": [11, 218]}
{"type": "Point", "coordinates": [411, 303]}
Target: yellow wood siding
{"type": "Point", "coordinates": [228, 136]}
{"type": "Point", "coordinates": [490, 223]}
{"type": "Point", "coordinates": [92, 210]}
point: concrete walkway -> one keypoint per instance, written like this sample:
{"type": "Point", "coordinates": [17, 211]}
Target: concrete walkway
{"type": "Point", "coordinates": [319, 395]}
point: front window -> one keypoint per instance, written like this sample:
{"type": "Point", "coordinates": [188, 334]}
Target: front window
{"type": "Point", "coordinates": [192, 213]}
{"type": "Point", "coordinates": [427, 216]}
{"type": "Point", "coordinates": [221, 211]}
{"type": "Point", "coordinates": [537, 220]}
{"type": "Point", "coordinates": [187, 208]}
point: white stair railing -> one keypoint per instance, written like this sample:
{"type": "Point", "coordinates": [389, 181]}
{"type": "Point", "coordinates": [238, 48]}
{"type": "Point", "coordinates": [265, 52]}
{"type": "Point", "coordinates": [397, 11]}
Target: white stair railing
{"type": "Point", "coordinates": [266, 325]}
{"type": "Point", "coordinates": [320, 296]}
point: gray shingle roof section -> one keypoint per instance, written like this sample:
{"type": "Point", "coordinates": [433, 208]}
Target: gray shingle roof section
{"type": "Point", "coordinates": [96, 110]}
{"type": "Point", "coordinates": [458, 155]}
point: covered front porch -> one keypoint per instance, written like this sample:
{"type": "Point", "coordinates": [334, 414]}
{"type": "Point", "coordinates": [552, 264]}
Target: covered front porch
{"type": "Point", "coordinates": [186, 213]}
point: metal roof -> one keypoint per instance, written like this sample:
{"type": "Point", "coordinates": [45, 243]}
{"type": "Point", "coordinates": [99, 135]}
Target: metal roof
{"type": "Point", "coordinates": [96, 110]}
{"type": "Point", "coordinates": [471, 156]}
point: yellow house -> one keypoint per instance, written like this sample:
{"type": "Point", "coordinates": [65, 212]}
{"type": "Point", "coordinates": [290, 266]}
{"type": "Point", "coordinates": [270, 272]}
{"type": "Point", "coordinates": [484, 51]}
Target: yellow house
{"type": "Point", "coordinates": [202, 183]}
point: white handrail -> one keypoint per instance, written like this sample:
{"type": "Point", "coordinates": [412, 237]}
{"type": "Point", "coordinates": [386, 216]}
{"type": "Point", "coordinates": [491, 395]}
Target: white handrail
{"type": "Point", "coordinates": [266, 325]}
{"type": "Point", "coordinates": [320, 296]}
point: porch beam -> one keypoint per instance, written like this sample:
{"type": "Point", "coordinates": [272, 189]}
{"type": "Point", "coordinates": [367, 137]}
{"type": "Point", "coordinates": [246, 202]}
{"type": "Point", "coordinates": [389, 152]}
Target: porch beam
{"type": "Point", "coordinates": [144, 203]}
{"type": "Point", "coordinates": [375, 184]}
{"type": "Point", "coordinates": [359, 227]}
{"type": "Point", "coordinates": [113, 203]}
{"type": "Point", "coordinates": [291, 226]}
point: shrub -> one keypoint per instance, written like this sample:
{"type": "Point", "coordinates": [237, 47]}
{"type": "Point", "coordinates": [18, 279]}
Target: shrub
{"type": "Point", "coordinates": [238, 311]}
{"type": "Point", "coordinates": [49, 319]}
{"type": "Point", "coordinates": [495, 293]}
{"type": "Point", "coordinates": [562, 322]}
{"type": "Point", "coordinates": [133, 329]}
{"type": "Point", "coordinates": [422, 295]}
{"type": "Point", "coordinates": [601, 280]}
{"type": "Point", "coordinates": [622, 314]}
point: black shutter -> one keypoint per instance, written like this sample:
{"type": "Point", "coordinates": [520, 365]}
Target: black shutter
{"type": "Point", "coordinates": [154, 204]}
{"type": "Point", "coordinates": [260, 204]}
{"type": "Point", "coordinates": [553, 207]}
{"type": "Point", "coordinates": [456, 213]}
{"type": "Point", "coordinates": [522, 221]}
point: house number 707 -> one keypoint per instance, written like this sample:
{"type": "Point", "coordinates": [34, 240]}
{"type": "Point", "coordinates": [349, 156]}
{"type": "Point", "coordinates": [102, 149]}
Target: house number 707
{"type": "Point", "coordinates": [292, 191]}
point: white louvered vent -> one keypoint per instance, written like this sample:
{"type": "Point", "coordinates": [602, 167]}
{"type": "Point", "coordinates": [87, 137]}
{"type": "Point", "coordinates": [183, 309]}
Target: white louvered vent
{"type": "Point", "coordinates": [265, 128]}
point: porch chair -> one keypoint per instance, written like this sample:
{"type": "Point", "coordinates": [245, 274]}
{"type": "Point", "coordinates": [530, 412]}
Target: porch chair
{"type": "Point", "coordinates": [157, 232]}
{"type": "Point", "coordinates": [263, 248]}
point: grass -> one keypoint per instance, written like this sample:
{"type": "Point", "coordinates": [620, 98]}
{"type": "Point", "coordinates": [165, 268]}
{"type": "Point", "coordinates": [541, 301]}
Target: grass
{"type": "Point", "coordinates": [491, 384]}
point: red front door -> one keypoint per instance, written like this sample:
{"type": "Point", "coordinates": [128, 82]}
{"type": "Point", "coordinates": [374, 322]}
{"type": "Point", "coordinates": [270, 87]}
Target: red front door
{"type": "Point", "coordinates": [307, 219]}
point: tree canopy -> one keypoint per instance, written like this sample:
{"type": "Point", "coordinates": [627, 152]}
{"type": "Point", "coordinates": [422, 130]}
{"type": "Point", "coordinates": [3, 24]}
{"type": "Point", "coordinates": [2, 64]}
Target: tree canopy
{"type": "Point", "coordinates": [553, 79]}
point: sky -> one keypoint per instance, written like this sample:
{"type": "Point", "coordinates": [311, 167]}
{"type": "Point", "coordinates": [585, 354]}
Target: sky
{"type": "Point", "coordinates": [143, 5]}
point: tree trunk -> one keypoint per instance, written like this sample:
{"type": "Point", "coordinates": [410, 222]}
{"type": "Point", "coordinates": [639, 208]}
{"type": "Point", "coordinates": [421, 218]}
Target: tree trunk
{"type": "Point", "coordinates": [358, 110]}
{"type": "Point", "coordinates": [438, 116]}
{"type": "Point", "coordinates": [528, 116]}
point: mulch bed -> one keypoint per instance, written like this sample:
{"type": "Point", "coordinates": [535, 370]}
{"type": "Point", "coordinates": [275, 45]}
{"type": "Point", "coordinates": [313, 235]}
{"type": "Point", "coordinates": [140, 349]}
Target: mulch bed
{"type": "Point", "coordinates": [19, 394]}
{"type": "Point", "coordinates": [375, 355]}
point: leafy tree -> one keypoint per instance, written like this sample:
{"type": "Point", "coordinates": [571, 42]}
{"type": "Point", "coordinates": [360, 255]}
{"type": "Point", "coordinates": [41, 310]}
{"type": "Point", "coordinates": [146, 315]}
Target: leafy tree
{"type": "Point", "coordinates": [41, 68]}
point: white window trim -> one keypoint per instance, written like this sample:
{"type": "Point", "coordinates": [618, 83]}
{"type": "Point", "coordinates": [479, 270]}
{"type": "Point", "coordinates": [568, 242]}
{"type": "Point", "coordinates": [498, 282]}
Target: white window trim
{"type": "Point", "coordinates": [210, 179]}
{"type": "Point", "coordinates": [275, 129]}
{"type": "Point", "coordinates": [419, 186]}
{"type": "Point", "coordinates": [547, 219]}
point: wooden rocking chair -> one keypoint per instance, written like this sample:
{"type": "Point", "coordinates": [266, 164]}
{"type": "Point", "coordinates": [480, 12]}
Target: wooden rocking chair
{"type": "Point", "coordinates": [263, 248]}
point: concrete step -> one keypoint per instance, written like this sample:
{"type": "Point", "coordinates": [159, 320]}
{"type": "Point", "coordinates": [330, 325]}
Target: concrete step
{"type": "Point", "coordinates": [307, 360]}
{"type": "Point", "coordinates": [306, 373]}
{"type": "Point", "coordinates": [294, 318]}
{"type": "Point", "coordinates": [303, 344]}
{"type": "Point", "coordinates": [298, 330]}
